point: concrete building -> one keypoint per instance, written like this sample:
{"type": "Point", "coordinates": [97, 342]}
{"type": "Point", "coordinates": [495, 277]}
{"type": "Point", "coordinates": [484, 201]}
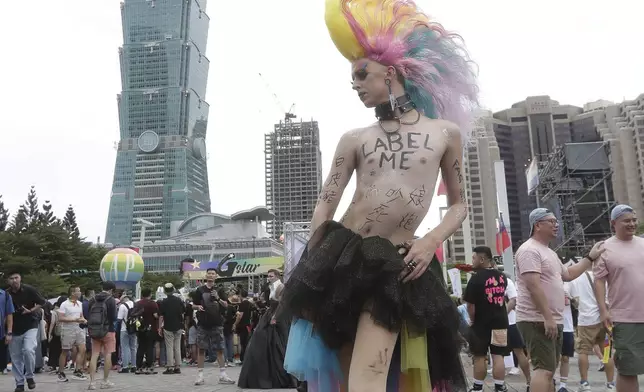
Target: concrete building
{"type": "Point", "coordinates": [160, 173]}
{"type": "Point", "coordinates": [481, 189]}
{"type": "Point", "coordinates": [293, 172]}
{"type": "Point", "coordinates": [202, 240]}
{"type": "Point", "coordinates": [622, 126]}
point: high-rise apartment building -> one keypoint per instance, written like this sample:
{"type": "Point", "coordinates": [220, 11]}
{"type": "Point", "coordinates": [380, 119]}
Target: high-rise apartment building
{"type": "Point", "coordinates": [478, 166]}
{"type": "Point", "coordinates": [293, 173]}
{"type": "Point", "coordinates": [622, 126]}
{"type": "Point", "coordinates": [160, 174]}
{"type": "Point", "coordinates": [538, 128]}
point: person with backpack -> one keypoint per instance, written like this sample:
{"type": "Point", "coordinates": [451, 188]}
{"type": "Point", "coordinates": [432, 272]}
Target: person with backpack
{"type": "Point", "coordinates": [127, 318]}
{"type": "Point", "coordinates": [100, 327]}
{"type": "Point", "coordinates": [147, 331]}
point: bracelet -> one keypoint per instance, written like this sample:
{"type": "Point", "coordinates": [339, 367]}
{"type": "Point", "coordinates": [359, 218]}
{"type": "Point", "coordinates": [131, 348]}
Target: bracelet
{"type": "Point", "coordinates": [589, 258]}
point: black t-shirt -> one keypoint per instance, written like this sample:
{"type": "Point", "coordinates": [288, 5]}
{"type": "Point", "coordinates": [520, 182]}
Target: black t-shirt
{"type": "Point", "coordinates": [211, 316]}
{"type": "Point", "coordinates": [27, 296]}
{"type": "Point", "coordinates": [231, 316]}
{"type": "Point", "coordinates": [486, 291]}
{"type": "Point", "coordinates": [246, 308]}
{"type": "Point", "coordinates": [172, 310]}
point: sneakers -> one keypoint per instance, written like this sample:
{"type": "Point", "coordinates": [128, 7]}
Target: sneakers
{"type": "Point", "coordinates": [78, 375]}
{"type": "Point", "coordinates": [585, 387]}
{"type": "Point", "coordinates": [31, 384]}
{"type": "Point", "coordinates": [224, 379]}
{"type": "Point", "coordinates": [107, 384]}
{"type": "Point", "coordinates": [200, 380]}
{"type": "Point", "coordinates": [514, 371]}
{"type": "Point", "coordinates": [62, 377]}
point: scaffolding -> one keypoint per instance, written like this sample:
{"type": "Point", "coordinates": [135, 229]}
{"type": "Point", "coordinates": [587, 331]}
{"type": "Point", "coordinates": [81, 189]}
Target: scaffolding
{"type": "Point", "coordinates": [575, 183]}
{"type": "Point", "coordinates": [296, 236]}
{"type": "Point", "coordinates": [293, 172]}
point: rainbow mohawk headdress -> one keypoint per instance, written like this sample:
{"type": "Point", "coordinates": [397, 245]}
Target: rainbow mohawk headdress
{"type": "Point", "coordinates": [436, 67]}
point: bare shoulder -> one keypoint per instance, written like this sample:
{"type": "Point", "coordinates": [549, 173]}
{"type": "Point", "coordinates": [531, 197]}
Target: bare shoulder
{"type": "Point", "coordinates": [448, 128]}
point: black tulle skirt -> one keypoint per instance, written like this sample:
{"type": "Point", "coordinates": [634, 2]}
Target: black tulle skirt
{"type": "Point", "coordinates": [263, 366]}
{"type": "Point", "coordinates": [341, 274]}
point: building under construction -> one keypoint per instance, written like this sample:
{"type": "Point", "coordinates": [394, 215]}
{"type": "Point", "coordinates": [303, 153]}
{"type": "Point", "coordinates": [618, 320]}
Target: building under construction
{"type": "Point", "coordinates": [293, 172]}
{"type": "Point", "coordinates": [574, 182]}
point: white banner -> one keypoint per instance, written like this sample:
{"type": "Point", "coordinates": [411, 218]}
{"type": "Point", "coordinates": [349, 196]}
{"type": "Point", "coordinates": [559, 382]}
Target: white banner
{"type": "Point", "coordinates": [455, 279]}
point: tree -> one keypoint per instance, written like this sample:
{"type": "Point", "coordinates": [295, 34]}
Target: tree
{"type": "Point", "coordinates": [42, 250]}
{"type": "Point", "coordinates": [4, 216]}
{"type": "Point", "coordinates": [152, 281]}
{"type": "Point", "coordinates": [32, 212]}
{"type": "Point", "coordinates": [69, 222]}
{"type": "Point", "coordinates": [47, 217]}
{"type": "Point", "coordinates": [19, 222]}
{"type": "Point", "coordinates": [640, 229]}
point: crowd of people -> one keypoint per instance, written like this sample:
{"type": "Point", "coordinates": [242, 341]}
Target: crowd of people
{"type": "Point", "coordinates": [585, 307]}
{"type": "Point", "coordinates": [75, 334]}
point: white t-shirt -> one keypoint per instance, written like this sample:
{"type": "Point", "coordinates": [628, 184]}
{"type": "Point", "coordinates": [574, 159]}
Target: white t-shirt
{"type": "Point", "coordinates": [588, 309]}
{"type": "Point", "coordinates": [70, 310]}
{"type": "Point", "coordinates": [511, 292]}
{"type": "Point", "coordinates": [123, 310]}
{"type": "Point", "coordinates": [568, 325]}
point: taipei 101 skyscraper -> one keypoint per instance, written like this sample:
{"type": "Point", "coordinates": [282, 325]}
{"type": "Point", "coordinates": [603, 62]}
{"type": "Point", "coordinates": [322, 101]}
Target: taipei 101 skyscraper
{"type": "Point", "coordinates": [161, 174]}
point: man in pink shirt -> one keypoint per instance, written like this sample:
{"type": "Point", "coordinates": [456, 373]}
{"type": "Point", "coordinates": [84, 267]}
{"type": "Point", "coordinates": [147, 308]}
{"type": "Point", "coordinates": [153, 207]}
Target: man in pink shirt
{"type": "Point", "coordinates": [622, 266]}
{"type": "Point", "coordinates": [541, 300]}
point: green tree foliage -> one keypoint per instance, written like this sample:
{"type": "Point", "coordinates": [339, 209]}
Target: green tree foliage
{"type": "Point", "coordinates": [152, 281]}
{"type": "Point", "coordinates": [40, 247]}
{"type": "Point", "coordinates": [4, 216]}
{"type": "Point", "coordinates": [640, 229]}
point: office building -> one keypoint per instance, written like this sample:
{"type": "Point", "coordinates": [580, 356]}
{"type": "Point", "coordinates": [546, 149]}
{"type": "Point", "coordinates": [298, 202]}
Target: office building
{"type": "Point", "coordinates": [622, 126]}
{"type": "Point", "coordinates": [293, 172]}
{"type": "Point", "coordinates": [478, 166]}
{"type": "Point", "coordinates": [160, 173]}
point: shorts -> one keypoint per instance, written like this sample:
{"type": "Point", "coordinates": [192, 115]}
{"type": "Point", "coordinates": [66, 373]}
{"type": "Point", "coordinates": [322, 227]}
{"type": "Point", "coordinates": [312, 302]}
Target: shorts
{"type": "Point", "coordinates": [192, 336]}
{"type": "Point", "coordinates": [568, 345]}
{"type": "Point", "coordinates": [210, 338]}
{"type": "Point", "coordinates": [588, 336]}
{"type": "Point", "coordinates": [70, 337]}
{"type": "Point", "coordinates": [515, 340]}
{"type": "Point", "coordinates": [628, 342]}
{"type": "Point", "coordinates": [544, 352]}
{"type": "Point", "coordinates": [106, 345]}
{"type": "Point", "coordinates": [480, 342]}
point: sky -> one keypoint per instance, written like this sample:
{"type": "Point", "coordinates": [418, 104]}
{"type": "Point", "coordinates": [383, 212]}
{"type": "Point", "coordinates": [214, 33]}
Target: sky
{"type": "Point", "coordinates": [60, 75]}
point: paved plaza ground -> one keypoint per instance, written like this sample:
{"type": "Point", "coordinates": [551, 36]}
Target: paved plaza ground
{"type": "Point", "coordinates": [184, 382]}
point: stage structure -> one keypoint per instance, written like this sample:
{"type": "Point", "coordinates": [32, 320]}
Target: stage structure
{"type": "Point", "coordinates": [296, 236]}
{"type": "Point", "coordinates": [575, 184]}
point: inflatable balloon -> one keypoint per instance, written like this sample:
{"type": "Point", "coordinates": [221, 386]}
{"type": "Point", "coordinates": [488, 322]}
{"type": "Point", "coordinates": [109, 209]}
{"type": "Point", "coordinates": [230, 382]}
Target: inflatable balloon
{"type": "Point", "coordinates": [122, 266]}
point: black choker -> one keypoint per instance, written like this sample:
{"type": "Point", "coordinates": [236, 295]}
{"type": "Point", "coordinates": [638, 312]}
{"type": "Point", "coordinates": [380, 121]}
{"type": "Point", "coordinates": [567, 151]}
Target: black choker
{"type": "Point", "coordinates": [384, 111]}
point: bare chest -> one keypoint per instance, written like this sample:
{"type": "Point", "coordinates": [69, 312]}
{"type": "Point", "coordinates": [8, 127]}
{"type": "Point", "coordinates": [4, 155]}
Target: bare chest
{"type": "Point", "coordinates": [407, 150]}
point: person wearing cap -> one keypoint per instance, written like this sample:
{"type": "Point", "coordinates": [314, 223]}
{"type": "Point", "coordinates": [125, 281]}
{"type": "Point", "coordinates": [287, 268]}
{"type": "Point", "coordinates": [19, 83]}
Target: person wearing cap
{"type": "Point", "coordinates": [541, 299]}
{"type": "Point", "coordinates": [171, 314]}
{"type": "Point", "coordinates": [621, 268]}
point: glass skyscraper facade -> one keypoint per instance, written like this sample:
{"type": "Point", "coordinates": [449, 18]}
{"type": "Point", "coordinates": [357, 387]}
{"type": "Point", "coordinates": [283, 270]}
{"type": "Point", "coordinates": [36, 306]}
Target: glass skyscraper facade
{"type": "Point", "coordinates": [161, 173]}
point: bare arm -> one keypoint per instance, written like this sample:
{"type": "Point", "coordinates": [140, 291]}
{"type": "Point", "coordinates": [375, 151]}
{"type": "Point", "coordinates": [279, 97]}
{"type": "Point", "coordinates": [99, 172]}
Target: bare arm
{"type": "Point", "coordinates": [533, 283]}
{"type": "Point", "coordinates": [511, 304]}
{"type": "Point", "coordinates": [9, 321]}
{"type": "Point", "coordinates": [454, 178]}
{"type": "Point", "coordinates": [600, 294]}
{"type": "Point", "coordinates": [471, 311]}
{"type": "Point", "coordinates": [342, 167]}
{"type": "Point", "coordinates": [575, 271]}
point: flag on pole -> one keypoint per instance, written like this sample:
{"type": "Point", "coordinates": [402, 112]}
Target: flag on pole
{"type": "Point", "coordinates": [503, 241]}
{"type": "Point", "coordinates": [442, 189]}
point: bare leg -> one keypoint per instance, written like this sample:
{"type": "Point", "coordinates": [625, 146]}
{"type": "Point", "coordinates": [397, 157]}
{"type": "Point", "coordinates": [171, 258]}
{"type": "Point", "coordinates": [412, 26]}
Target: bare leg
{"type": "Point", "coordinates": [62, 361]}
{"type": "Point", "coordinates": [524, 364]}
{"type": "Point", "coordinates": [374, 346]}
{"type": "Point", "coordinates": [92, 363]}
{"type": "Point", "coordinates": [344, 356]}
{"type": "Point", "coordinates": [627, 383]}
{"type": "Point", "coordinates": [564, 371]}
{"type": "Point", "coordinates": [80, 357]}
{"type": "Point", "coordinates": [498, 367]}
{"type": "Point", "coordinates": [610, 371]}
{"type": "Point", "coordinates": [107, 366]}
{"type": "Point", "coordinates": [583, 363]}
{"type": "Point", "coordinates": [541, 381]}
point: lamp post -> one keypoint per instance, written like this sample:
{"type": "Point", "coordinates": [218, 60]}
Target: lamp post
{"type": "Point", "coordinates": [144, 223]}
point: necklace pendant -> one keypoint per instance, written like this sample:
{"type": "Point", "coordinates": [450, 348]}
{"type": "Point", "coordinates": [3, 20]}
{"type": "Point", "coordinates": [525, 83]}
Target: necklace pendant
{"type": "Point", "coordinates": [392, 101]}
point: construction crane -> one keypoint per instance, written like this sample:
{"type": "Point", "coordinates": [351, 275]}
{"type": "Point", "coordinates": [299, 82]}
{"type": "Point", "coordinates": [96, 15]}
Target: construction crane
{"type": "Point", "coordinates": [288, 115]}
